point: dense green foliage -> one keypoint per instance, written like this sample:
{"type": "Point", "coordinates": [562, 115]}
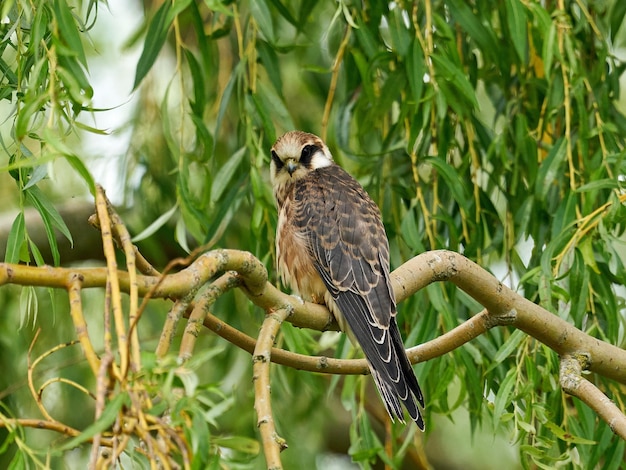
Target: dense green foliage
{"type": "Point", "coordinates": [485, 127]}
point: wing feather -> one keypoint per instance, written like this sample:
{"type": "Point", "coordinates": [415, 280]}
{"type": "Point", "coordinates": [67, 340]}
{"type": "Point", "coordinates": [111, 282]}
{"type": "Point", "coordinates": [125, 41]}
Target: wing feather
{"type": "Point", "coordinates": [347, 242]}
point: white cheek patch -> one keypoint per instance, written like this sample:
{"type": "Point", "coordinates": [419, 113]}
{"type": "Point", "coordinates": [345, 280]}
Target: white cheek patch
{"type": "Point", "coordinates": [320, 160]}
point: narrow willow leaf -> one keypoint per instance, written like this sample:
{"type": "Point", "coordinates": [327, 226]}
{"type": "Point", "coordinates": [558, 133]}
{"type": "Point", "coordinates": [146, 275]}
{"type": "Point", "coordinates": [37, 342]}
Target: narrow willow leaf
{"type": "Point", "coordinates": [227, 95]}
{"type": "Point", "coordinates": [68, 30]}
{"type": "Point", "coordinates": [269, 58]}
{"type": "Point", "coordinates": [410, 232]}
{"type": "Point", "coordinates": [155, 38]}
{"type": "Point", "coordinates": [548, 51]}
{"type": "Point", "coordinates": [156, 225]}
{"type": "Point", "coordinates": [218, 410]}
{"type": "Point", "coordinates": [224, 176]}
{"type": "Point", "coordinates": [455, 76]}
{"type": "Point", "coordinates": [618, 13]}
{"type": "Point", "coordinates": [180, 234]}
{"type": "Point", "coordinates": [36, 253]}
{"type": "Point", "coordinates": [262, 15]}
{"type": "Point", "coordinates": [503, 396]}
{"type": "Point", "coordinates": [550, 170]}
{"type": "Point", "coordinates": [197, 75]}
{"type": "Point", "coordinates": [509, 346]}
{"type": "Point", "coordinates": [264, 115]}
{"type": "Point", "coordinates": [598, 184]}
{"type": "Point", "coordinates": [614, 457]}
{"type": "Point", "coordinates": [39, 173]}
{"type": "Point", "coordinates": [32, 105]}
{"type": "Point", "coordinates": [29, 306]}
{"type": "Point", "coordinates": [204, 138]}
{"type": "Point", "coordinates": [517, 23]}
{"type": "Point", "coordinates": [454, 183]}
{"type": "Point", "coordinates": [50, 218]}
{"type": "Point", "coordinates": [82, 170]}
{"type": "Point", "coordinates": [104, 422]}
{"type": "Point", "coordinates": [399, 31]}
{"type": "Point", "coordinates": [416, 69]}
{"type": "Point", "coordinates": [273, 105]}
{"type": "Point", "coordinates": [566, 436]}
{"type": "Point", "coordinates": [225, 212]}
{"type": "Point", "coordinates": [284, 12]}
{"type": "Point", "coordinates": [15, 240]}
{"type": "Point", "coordinates": [44, 206]}
{"type": "Point", "coordinates": [579, 288]}
{"type": "Point", "coordinates": [238, 443]}
{"type": "Point", "coordinates": [480, 32]}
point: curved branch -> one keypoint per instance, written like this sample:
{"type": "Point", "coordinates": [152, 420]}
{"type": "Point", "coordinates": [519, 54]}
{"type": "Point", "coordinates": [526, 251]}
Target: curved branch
{"type": "Point", "coordinates": [436, 347]}
{"type": "Point", "coordinates": [507, 307]}
{"type": "Point", "coordinates": [572, 382]}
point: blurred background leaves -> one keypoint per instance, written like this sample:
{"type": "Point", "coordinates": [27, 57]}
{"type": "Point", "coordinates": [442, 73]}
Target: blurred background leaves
{"type": "Point", "coordinates": [490, 128]}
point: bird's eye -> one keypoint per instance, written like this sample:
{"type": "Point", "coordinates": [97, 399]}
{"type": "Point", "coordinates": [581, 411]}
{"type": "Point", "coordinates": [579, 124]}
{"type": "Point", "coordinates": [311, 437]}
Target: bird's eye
{"type": "Point", "coordinates": [277, 161]}
{"type": "Point", "coordinates": [307, 153]}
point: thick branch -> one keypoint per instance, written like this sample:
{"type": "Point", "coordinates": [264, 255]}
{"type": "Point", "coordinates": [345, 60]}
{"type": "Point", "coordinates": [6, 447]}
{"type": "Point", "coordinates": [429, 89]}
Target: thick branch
{"type": "Point", "coordinates": [572, 382]}
{"type": "Point", "coordinates": [507, 307]}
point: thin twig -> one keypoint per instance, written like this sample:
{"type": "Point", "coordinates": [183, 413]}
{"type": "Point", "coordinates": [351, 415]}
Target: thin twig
{"type": "Point", "coordinates": [113, 279]}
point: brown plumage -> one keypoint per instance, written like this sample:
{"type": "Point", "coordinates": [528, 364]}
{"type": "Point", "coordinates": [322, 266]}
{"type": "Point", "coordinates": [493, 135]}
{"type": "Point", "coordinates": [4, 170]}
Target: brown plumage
{"type": "Point", "coordinates": [332, 248]}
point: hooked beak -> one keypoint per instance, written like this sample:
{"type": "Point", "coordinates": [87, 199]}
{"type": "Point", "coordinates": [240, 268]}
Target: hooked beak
{"type": "Point", "coordinates": [291, 166]}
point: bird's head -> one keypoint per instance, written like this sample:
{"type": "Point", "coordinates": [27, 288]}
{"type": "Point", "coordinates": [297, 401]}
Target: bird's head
{"type": "Point", "coordinates": [294, 155]}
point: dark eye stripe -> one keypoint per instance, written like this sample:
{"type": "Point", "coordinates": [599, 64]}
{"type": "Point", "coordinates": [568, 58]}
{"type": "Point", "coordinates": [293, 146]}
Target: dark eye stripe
{"type": "Point", "coordinates": [277, 161]}
{"type": "Point", "coordinates": [307, 154]}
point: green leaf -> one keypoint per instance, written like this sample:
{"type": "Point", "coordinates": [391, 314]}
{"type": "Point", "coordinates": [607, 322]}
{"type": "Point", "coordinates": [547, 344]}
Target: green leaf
{"type": "Point", "coordinates": [226, 96]}
{"type": "Point", "coordinates": [104, 422]}
{"type": "Point", "coordinates": [82, 170]}
{"type": "Point", "coordinates": [29, 306]}
{"type": "Point", "coordinates": [401, 34]}
{"type": "Point", "coordinates": [456, 77]}
{"type": "Point", "coordinates": [452, 179]}
{"type": "Point", "coordinates": [156, 225]}
{"type": "Point", "coordinates": [470, 22]}
{"type": "Point", "coordinates": [261, 13]}
{"type": "Point", "coordinates": [618, 13]}
{"type": "Point", "coordinates": [598, 184]}
{"type": "Point", "coordinates": [504, 396]}
{"type": "Point", "coordinates": [68, 30]}
{"type": "Point", "coordinates": [416, 69]}
{"type": "Point", "coordinates": [284, 12]}
{"type": "Point", "coordinates": [566, 436]}
{"type": "Point", "coordinates": [32, 105]}
{"type": "Point", "coordinates": [51, 218]}
{"type": "Point", "coordinates": [410, 232]}
{"type": "Point", "coordinates": [550, 170]}
{"type": "Point", "coordinates": [155, 38]}
{"type": "Point", "coordinates": [180, 234]}
{"type": "Point", "coordinates": [16, 240]}
{"type": "Point", "coordinates": [548, 50]}
{"type": "Point", "coordinates": [225, 174]}
{"type": "Point", "coordinates": [36, 254]}
{"type": "Point", "coordinates": [517, 24]}
{"type": "Point", "coordinates": [509, 346]}
{"type": "Point", "coordinates": [242, 444]}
